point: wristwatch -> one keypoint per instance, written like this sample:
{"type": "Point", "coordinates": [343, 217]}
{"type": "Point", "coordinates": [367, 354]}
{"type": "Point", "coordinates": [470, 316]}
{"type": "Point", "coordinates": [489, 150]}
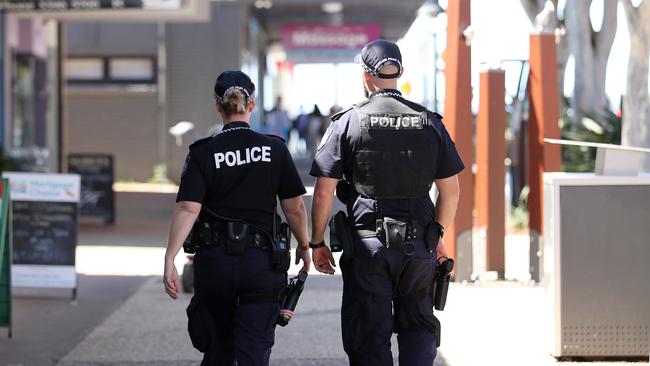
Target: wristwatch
{"type": "Point", "coordinates": [317, 245]}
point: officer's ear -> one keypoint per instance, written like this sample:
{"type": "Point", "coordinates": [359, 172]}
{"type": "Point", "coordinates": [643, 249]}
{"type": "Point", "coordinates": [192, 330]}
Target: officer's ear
{"type": "Point", "coordinates": [251, 106]}
{"type": "Point", "coordinates": [219, 107]}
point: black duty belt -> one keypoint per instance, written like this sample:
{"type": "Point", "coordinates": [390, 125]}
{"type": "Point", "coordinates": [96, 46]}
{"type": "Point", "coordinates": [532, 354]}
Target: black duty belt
{"type": "Point", "coordinates": [257, 240]}
{"type": "Point", "coordinates": [419, 231]}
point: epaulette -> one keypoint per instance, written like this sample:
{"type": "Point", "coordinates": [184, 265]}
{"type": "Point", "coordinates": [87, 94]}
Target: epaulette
{"type": "Point", "coordinates": [200, 142]}
{"type": "Point", "coordinates": [337, 116]}
{"type": "Point", "coordinates": [277, 137]}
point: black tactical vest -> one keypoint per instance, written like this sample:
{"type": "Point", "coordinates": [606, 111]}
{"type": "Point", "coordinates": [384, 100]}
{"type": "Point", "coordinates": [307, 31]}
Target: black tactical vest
{"type": "Point", "coordinates": [395, 156]}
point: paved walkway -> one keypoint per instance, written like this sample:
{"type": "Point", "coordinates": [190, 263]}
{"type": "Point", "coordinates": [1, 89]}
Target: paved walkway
{"type": "Point", "coordinates": [499, 323]}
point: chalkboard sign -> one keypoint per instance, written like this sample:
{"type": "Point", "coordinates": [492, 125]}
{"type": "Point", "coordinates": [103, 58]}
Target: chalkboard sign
{"type": "Point", "coordinates": [97, 197]}
{"type": "Point", "coordinates": [45, 233]}
{"type": "Point", "coordinates": [44, 229]}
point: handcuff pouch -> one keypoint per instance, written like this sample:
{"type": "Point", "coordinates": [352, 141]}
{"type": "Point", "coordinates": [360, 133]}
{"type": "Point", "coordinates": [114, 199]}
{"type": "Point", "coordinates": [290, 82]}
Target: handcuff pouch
{"type": "Point", "coordinates": [237, 237]}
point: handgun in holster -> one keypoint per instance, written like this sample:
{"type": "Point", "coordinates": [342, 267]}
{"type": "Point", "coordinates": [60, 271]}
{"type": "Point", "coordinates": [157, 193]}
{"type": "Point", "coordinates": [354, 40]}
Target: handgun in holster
{"type": "Point", "coordinates": [441, 283]}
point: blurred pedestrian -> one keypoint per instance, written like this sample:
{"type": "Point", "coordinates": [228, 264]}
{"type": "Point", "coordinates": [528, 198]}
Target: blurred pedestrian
{"type": "Point", "coordinates": [388, 151]}
{"type": "Point", "coordinates": [314, 134]}
{"type": "Point", "coordinates": [278, 120]}
{"type": "Point", "coordinates": [231, 183]}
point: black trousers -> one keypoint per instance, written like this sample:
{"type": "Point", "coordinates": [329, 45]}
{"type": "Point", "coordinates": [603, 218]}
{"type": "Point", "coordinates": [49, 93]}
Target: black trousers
{"type": "Point", "coordinates": [379, 285]}
{"type": "Point", "coordinates": [245, 332]}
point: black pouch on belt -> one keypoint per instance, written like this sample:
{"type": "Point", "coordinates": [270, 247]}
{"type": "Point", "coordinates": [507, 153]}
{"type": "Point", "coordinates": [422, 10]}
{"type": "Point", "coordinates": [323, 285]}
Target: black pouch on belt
{"type": "Point", "coordinates": [237, 238]}
{"type": "Point", "coordinates": [395, 233]}
{"type": "Point", "coordinates": [344, 233]}
{"type": "Point", "coordinates": [432, 236]}
{"type": "Point", "coordinates": [281, 253]}
{"type": "Point", "coordinates": [200, 237]}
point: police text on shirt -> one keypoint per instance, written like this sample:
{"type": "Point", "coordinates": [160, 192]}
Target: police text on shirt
{"type": "Point", "coordinates": [238, 157]}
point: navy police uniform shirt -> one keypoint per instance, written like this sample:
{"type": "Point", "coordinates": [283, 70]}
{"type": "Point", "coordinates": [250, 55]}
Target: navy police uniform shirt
{"type": "Point", "coordinates": [238, 173]}
{"type": "Point", "coordinates": [333, 160]}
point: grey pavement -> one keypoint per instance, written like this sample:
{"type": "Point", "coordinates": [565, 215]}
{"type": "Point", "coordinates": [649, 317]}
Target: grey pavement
{"type": "Point", "coordinates": [47, 325]}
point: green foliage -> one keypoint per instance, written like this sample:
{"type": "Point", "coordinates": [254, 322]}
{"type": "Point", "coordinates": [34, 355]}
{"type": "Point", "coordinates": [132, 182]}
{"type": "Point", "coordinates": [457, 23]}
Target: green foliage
{"type": "Point", "coordinates": [519, 217]}
{"type": "Point", "coordinates": [5, 164]}
{"type": "Point", "coordinates": [583, 159]}
{"type": "Point", "coordinates": [159, 174]}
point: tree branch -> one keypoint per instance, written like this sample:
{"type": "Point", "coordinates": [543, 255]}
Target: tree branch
{"type": "Point", "coordinates": [604, 39]}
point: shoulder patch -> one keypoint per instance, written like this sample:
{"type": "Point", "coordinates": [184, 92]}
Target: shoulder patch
{"type": "Point", "coordinates": [338, 116]}
{"type": "Point", "coordinates": [200, 142]}
{"type": "Point", "coordinates": [277, 137]}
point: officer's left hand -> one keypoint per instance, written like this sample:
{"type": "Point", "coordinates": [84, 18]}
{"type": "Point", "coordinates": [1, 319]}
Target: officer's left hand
{"type": "Point", "coordinates": [303, 255]}
{"type": "Point", "coordinates": [324, 260]}
{"type": "Point", "coordinates": [170, 278]}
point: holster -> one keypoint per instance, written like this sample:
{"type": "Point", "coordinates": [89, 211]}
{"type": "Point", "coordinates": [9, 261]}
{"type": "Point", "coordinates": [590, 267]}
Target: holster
{"type": "Point", "coordinates": [344, 233]}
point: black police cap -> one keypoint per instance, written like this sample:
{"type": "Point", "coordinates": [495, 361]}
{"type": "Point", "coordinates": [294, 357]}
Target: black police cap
{"type": "Point", "coordinates": [233, 80]}
{"type": "Point", "coordinates": [378, 54]}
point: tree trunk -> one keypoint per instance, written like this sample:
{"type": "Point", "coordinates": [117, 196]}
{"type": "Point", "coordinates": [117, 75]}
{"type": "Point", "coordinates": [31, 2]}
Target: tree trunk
{"type": "Point", "coordinates": [590, 51]}
{"type": "Point", "coordinates": [636, 103]}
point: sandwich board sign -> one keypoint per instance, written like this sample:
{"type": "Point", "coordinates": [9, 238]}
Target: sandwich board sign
{"type": "Point", "coordinates": [44, 229]}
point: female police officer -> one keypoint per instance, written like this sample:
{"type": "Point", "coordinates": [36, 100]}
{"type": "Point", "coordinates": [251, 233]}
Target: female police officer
{"type": "Point", "coordinates": [236, 175]}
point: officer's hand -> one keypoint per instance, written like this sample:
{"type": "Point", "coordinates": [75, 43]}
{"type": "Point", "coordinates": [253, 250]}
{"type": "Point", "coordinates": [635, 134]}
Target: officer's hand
{"type": "Point", "coordinates": [170, 278]}
{"type": "Point", "coordinates": [441, 251]}
{"type": "Point", "coordinates": [303, 254]}
{"type": "Point", "coordinates": [324, 260]}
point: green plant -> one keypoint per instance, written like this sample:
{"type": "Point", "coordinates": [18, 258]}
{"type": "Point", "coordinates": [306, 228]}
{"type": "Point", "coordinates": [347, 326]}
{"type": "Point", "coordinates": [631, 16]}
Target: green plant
{"type": "Point", "coordinates": [581, 158]}
{"type": "Point", "coordinates": [5, 164]}
{"type": "Point", "coordinates": [519, 217]}
{"type": "Point", "coordinates": [159, 174]}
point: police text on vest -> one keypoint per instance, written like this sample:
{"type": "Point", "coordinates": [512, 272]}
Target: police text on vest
{"type": "Point", "coordinates": [395, 122]}
{"type": "Point", "coordinates": [242, 157]}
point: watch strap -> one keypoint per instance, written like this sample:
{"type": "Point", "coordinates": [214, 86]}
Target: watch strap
{"type": "Point", "coordinates": [317, 245]}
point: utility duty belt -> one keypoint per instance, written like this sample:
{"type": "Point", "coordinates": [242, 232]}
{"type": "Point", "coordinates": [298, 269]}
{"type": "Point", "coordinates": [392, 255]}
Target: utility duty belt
{"type": "Point", "coordinates": [401, 235]}
{"type": "Point", "coordinates": [237, 235]}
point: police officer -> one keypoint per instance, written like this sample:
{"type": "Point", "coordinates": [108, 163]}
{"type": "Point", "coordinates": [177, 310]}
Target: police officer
{"type": "Point", "coordinates": [390, 151]}
{"type": "Point", "coordinates": [235, 176]}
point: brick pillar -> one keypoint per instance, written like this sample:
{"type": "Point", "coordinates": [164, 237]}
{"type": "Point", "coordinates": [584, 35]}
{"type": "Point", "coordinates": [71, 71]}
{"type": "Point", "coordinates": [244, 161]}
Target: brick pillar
{"type": "Point", "coordinates": [543, 123]}
{"type": "Point", "coordinates": [490, 175]}
{"type": "Point", "coordinates": [458, 120]}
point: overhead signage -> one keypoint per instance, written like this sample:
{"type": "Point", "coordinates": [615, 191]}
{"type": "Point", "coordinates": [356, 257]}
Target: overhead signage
{"type": "Point", "coordinates": [297, 36]}
{"type": "Point", "coordinates": [44, 229]}
{"type": "Point", "coordinates": [56, 5]}
{"type": "Point", "coordinates": [111, 10]}
{"type": "Point", "coordinates": [326, 43]}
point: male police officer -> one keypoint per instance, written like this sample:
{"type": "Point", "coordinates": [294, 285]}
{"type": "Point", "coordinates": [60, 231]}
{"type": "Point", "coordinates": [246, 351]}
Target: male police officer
{"type": "Point", "coordinates": [390, 150]}
{"type": "Point", "coordinates": [237, 175]}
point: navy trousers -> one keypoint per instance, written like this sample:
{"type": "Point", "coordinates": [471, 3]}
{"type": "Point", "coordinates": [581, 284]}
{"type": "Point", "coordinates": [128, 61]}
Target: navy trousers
{"type": "Point", "coordinates": [379, 297]}
{"type": "Point", "coordinates": [245, 333]}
